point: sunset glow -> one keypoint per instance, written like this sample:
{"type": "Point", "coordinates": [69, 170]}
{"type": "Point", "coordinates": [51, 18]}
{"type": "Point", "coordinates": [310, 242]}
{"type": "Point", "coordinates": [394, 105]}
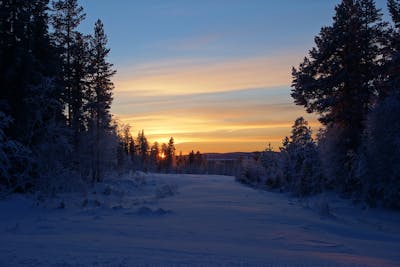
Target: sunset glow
{"type": "Point", "coordinates": [203, 104]}
{"type": "Point", "coordinates": [204, 74]}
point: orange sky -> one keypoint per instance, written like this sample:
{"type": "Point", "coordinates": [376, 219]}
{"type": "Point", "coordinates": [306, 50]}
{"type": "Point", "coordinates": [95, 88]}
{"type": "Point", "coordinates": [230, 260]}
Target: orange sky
{"type": "Point", "coordinates": [209, 105]}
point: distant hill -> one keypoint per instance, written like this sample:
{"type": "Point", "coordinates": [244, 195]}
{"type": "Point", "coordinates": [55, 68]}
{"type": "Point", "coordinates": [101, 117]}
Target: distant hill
{"type": "Point", "coordinates": [230, 156]}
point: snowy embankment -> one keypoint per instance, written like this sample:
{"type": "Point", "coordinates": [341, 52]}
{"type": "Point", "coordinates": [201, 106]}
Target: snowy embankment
{"type": "Point", "coordinates": [193, 220]}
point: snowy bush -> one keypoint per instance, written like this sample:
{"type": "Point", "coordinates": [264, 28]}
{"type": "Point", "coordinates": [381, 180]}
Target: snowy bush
{"type": "Point", "coordinates": [166, 190]}
{"type": "Point", "coordinates": [251, 172]}
{"type": "Point", "coordinates": [379, 166]}
{"type": "Point", "coordinates": [295, 168]}
{"type": "Point", "coordinates": [60, 181]}
{"type": "Point", "coordinates": [138, 177]}
{"type": "Point", "coordinates": [339, 163]}
{"type": "Point", "coordinates": [15, 161]}
{"type": "Point", "coordinates": [272, 163]}
{"type": "Point", "coordinates": [322, 207]}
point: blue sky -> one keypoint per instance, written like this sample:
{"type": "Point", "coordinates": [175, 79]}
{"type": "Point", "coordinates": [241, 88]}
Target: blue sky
{"type": "Point", "coordinates": [213, 74]}
{"type": "Point", "coordinates": [144, 30]}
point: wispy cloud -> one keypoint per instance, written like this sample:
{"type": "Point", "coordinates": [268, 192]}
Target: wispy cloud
{"type": "Point", "coordinates": [202, 75]}
{"type": "Point", "coordinates": [194, 43]}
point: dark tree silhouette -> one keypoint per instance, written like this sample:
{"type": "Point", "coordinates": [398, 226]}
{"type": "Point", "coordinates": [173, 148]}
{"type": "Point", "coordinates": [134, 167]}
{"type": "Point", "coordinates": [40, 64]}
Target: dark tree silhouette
{"type": "Point", "coordinates": [142, 148]}
{"type": "Point", "coordinates": [392, 67]}
{"type": "Point", "coordinates": [170, 155]}
{"type": "Point", "coordinates": [30, 92]}
{"type": "Point", "coordinates": [100, 93]}
{"type": "Point", "coordinates": [337, 79]}
{"type": "Point", "coordinates": [67, 15]}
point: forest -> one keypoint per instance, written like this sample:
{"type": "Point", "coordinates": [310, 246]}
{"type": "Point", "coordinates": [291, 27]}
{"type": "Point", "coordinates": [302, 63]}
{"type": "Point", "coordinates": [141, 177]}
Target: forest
{"type": "Point", "coordinates": [350, 79]}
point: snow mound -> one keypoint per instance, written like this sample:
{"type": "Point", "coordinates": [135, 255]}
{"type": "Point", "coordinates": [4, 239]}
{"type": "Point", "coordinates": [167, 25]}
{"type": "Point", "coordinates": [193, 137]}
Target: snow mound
{"type": "Point", "coordinates": [146, 211]}
{"type": "Point", "coordinates": [166, 190]}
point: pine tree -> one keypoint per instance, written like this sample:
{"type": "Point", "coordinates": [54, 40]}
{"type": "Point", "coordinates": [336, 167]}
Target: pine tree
{"type": "Point", "coordinates": [67, 15]}
{"type": "Point", "coordinates": [337, 79]}
{"type": "Point", "coordinates": [43, 95]}
{"type": "Point", "coordinates": [15, 64]}
{"type": "Point", "coordinates": [30, 95]}
{"type": "Point", "coordinates": [394, 9]}
{"type": "Point", "coordinates": [300, 156]}
{"type": "Point", "coordinates": [198, 161]}
{"type": "Point", "coordinates": [13, 155]}
{"type": "Point", "coordinates": [142, 148]}
{"type": "Point", "coordinates": [126, 147]}
{"type": "Point", "coordinates": [191, 158]}
{"type": "Point", "coordinates": [132, 151]}
{"type": "Point", "coordinates": [180, 162]}
{"type": "Point", "coordinates": [100, 92]}
{"type": "Point", "coordinates": [79, 85]}
{"type": "Point", "coordinates": [379, 166]}
{"type": "Point", "coordinates": [154, 156]}
{"type": "Point", "coordinates": [270, 161]}
{"type": "Point", "coordinates": [170, 155]}
{"type": "Point", "coordinates": [392, 66]}
{"type": "Point", "coordinates": [163, 158]}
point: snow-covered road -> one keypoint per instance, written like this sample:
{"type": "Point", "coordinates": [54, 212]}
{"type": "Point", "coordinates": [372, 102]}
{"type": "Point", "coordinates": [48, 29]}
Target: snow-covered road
{"type": "Point", "coordinates": [194, 220]}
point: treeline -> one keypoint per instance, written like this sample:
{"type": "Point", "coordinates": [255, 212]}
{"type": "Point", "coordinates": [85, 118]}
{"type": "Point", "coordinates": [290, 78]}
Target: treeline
{"type": "Point", "coordinates": [56, 130]}
{"type": "Point", "coordinates": [351, 79]}
{"type": "Point", "coordinates": [137, 154]}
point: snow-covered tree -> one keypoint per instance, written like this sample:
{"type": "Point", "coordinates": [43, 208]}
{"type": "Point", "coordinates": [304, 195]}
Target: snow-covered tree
{"type": "Point", "coordinates": [301, 166]}
{"type": "Point", "coordinates": [271, 161]}
{"type": "Point", "coordinates": [13, 155]}
{"type": "Point", "coordinates": [125, 147]}
{"type": "Point", "coordinates": [380, 168]}
{"type": "Point", "coordinates": [339, 79]}
{"type": "Point", "coordinates": [31, 92]}
{"type": "Point", "coordinates": [99, 95]}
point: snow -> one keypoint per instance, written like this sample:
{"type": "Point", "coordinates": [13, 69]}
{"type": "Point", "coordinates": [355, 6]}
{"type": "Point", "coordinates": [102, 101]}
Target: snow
{"type": "Point", "coordinates": [193, 220]}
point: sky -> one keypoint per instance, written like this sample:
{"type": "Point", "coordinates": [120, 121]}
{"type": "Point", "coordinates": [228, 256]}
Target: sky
{"type": "Point", "coordinates": [213, 74]}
